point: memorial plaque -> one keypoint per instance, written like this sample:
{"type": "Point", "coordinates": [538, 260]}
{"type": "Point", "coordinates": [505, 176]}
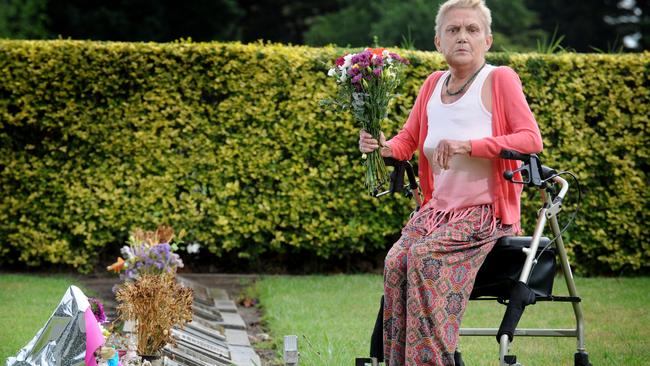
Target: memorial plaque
{"type": "Point", "coordinates": [206, 331]}
{"type": "Point", "coordinates": [208, 324]}
{"type": "Point", "coordinates": [200, 345]}
{"type": "Point", "coordinates": [214, 338]}
{"type": "Point", "coordinates": [201, 293]}
{"type": "Point", "coordinates": [208, 309]}
{"type": "Point", "coordinates": [209, 315]}
{"type": "Point", "coordinates": [179, 356]}
{"type": "Point", "coordinates": [188, 353]}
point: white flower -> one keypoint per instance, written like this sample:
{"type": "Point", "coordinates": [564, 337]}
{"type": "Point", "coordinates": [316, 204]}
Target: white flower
{"type": "Point", "coordinates": [127, 252]}
{"type": "Point", "coordinates": [347, 60]}
{"type": "Point", "coordinates": [194, 247]}
{"type": "Point", "coordinates": [331, 72]}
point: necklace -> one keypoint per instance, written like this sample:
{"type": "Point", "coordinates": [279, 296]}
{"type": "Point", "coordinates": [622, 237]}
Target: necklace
{"type": "Point", "coordinates": [462, 88]}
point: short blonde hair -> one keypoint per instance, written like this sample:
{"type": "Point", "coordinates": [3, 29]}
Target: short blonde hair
{"type": "Point", "coordinates": [479, 5]}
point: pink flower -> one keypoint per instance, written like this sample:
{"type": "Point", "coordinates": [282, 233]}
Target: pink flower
{"type": "Point", "coordinates": [340, 61]}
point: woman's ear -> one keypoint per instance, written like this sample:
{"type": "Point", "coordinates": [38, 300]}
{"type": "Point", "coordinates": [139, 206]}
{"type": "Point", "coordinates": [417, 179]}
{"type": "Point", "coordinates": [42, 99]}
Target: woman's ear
{"type": "Point", "coordinates": [436, 41]}
{"type": "Point", "coordinates": [488, 42]}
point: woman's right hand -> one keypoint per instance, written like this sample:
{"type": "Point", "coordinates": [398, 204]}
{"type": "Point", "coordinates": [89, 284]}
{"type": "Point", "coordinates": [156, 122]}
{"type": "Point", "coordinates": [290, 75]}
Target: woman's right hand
{"type": "Point", "coordinates": [368, 144]}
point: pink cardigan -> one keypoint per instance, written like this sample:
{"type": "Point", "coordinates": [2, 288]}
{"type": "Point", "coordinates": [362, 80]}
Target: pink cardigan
{"type": "Point", "coordinates": [513, 127]}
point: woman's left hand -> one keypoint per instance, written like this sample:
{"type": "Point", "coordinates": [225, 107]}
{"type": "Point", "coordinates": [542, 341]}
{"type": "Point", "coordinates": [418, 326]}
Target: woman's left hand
{"type": "Point", "coordinates": [448, 148]}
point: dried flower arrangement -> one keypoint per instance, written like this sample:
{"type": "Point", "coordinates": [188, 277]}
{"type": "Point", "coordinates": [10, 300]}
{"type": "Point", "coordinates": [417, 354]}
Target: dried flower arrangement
{"type": "Point", "coordinates": [157, 302]}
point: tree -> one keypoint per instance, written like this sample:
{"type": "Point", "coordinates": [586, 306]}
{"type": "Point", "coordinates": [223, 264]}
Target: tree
{"type": "Point", "coordinates": [346, 27]}
{"type": "Point", "coordinates": [280, 20]}
{"type": "Point", "coordinates": [145, 20]}
{"type": "Point", "coordinates": [597, 24]}
{"type": "Point", "coordinates": [412, 23]}
{"type": "Point", "coordinates": [21, 19]}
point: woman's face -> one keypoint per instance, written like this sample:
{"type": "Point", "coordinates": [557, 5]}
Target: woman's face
{"type": "Point", "coordinates": [463, 39]}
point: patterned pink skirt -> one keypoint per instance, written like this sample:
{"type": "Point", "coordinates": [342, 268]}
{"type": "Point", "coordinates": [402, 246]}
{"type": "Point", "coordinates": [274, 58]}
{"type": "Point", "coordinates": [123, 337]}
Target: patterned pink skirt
{"type": "Point", "coordinates": [428, 277]}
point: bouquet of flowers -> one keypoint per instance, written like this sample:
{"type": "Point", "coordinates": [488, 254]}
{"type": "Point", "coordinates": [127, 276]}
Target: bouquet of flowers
{"type": "Point", "coordinates": [148, 252]}
{"type": "Point", "coordinates": [366, 82]}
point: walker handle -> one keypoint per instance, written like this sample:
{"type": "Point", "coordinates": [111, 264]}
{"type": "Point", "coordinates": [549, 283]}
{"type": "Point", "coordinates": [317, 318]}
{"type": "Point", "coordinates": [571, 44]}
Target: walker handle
{"type": "Point", "coordinates": [531, 170]}
{"type": "Point", "coordinates": [514, 155]}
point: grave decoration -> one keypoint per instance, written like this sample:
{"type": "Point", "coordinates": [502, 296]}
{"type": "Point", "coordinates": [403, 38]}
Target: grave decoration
{"type": "Point", "coordinates": [71, 336]}
{"type": "Point", "coordinates": [150, 296]}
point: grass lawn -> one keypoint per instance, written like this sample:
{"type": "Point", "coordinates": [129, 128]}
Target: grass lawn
{"type": "Point", "coordinates": [26, 302]}
{"type": "Point", "coordinates": [333, 317]}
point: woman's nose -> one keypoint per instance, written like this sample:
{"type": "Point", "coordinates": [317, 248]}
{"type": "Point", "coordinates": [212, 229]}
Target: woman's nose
{"type": "Point", "coordinates": [462, 37]}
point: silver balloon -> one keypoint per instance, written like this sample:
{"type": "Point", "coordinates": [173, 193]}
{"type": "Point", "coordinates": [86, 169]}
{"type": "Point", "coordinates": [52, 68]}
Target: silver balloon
{"type": "Point", "coordinates": [62, 341]}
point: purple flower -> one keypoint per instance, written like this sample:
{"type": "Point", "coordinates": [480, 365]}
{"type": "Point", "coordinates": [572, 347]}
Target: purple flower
{"type": "Point", "coordinates": [399, 58]}
{"type": "Point", "coordinates": [362, 59]}
{"type": "Point", "coordinates": [356, 79]}
{"type": "Point", "coordinates": [377, 72]}
{"type": "Point", "coordinates": [98, 310]}
{"type": "Point", "coordinates": [150, 259]}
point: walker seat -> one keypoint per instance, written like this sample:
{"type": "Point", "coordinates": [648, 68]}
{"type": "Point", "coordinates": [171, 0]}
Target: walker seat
{"type": "Point", "coordinates": [503, 265]}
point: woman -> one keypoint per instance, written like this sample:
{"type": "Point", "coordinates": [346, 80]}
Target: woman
{"type": "Point", "coordinates": [461, 120]}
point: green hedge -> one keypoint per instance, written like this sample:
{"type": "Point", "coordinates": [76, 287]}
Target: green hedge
{"type": "Point", "coordinates": [228, 142]}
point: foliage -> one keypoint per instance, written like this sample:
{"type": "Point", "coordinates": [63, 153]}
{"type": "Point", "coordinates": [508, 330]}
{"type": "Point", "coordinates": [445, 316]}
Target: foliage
{"type": "Point", "coordinates": [395, 21]}
{"type": "Point", "coordinates": [23, 19]}
{"type": "Point", "coordinates": [550, 45]}
{"type": "Point", "coordinates": [145, 20]}
{"type": "Point", "coordinates": [228, 141]}
{"type": "Point", "coordinates": [593, 24]}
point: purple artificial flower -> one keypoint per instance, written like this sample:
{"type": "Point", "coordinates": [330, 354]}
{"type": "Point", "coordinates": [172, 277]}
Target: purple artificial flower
{"type": "Point", "coordinates": [98, 310]}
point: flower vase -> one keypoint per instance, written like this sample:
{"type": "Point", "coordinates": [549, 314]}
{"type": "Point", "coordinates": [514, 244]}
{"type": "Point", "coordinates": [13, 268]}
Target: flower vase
{"type": "Point", "coordinates": [154, 360]}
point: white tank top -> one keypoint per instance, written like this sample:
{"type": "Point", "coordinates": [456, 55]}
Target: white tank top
{"type": "Point", "coordinates": [468, 181]}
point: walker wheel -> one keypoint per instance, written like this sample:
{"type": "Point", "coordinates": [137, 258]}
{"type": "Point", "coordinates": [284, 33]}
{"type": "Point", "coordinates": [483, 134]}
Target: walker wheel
{"type": "Point", "coordinates": [581, 359]}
